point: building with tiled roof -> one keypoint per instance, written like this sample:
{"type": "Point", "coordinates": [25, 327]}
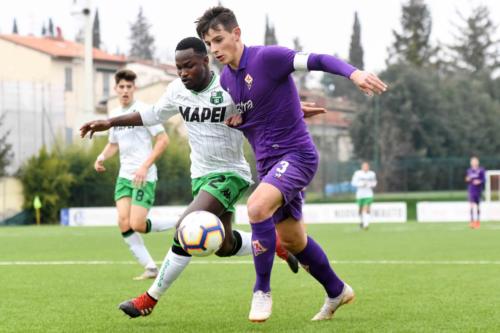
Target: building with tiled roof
{"type": "Point", "coordinates": [42, 89]}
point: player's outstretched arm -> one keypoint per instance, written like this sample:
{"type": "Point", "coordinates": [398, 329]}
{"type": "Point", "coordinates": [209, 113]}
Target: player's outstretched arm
{"type": "Point", "coordinates": [310, 109]}
{"type": "Point", "coordinates": [130, 119]}
{"type": "Point", "coordinates": [368, 83]}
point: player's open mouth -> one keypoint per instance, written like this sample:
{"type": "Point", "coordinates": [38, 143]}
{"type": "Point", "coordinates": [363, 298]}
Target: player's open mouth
{"type": "Point", "coordinates": [220, 58]}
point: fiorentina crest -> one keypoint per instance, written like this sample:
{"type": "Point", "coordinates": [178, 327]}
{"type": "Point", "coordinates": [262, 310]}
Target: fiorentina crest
{"type": "Point", "coordinates": [216, 97]}
{"type": "Point", "coordinates": [258, 248]}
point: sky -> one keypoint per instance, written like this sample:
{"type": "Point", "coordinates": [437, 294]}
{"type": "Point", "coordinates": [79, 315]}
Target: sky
{"type": "Point", "coordinates": [322, 26]}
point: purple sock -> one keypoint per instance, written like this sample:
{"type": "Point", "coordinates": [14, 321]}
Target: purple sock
{"type": "Point", "coordinates": [264, 246]}
{"type": "Point", "coordinates": [314, 258]}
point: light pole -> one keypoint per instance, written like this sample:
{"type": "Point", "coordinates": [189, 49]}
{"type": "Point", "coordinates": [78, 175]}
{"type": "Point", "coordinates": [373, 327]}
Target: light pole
{"type": "Point", "coordinates": [82, 9]}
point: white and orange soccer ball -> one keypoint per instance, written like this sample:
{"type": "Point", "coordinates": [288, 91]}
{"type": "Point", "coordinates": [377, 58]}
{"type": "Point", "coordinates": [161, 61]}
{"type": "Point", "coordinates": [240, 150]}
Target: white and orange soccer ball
{"type": "Point", "coordinates": [200, 233]}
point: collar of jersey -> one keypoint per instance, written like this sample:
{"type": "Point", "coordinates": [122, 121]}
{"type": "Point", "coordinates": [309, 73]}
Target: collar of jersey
{"type": "Point", "coordinates": [207, 87]}
{"type": "Point", "coordinates": [128, 107]}
{"type": "Point", "coordinates": [243, 60]}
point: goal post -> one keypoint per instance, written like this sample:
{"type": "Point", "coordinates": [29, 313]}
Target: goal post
{"type": "Point", "coordinates": [492, 186]}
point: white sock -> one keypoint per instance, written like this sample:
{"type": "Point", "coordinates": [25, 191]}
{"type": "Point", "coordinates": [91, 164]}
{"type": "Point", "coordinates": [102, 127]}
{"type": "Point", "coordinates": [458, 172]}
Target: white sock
{"type": "Point", "coordinates": [368, 219]}
{"type": "Point", "coordinates": [159, 225]}
{"type": "Point", "coordinates": [364, 219]}
{"type": "Point", "coordinates": [171, 268]}
{"type": "Point", "coordinates": [246, 243]}
{"type": "Point", "coordinates": [138, 249]}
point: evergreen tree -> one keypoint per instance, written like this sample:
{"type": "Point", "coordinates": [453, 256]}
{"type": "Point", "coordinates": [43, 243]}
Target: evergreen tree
{"type": "Point", "coordinates": [96, 31]}
{"type": "Point", "coordinates": [51, 28]}
{"type": "Point", "coordinates": [142, 42]}
{"type": "Point", "coordinates": [412, 44]}
{"type": "Point", "coordinates": [44, 30]}
{"type": "Point", "coordinates": [337, 86]}
{"type": "Point", "coordinates": [270, 34]}
{"type": "Point", "coordinates": [14, 27]}
{"type": "Point", "coordinates": [475, 48]}
{"type": "Point", "coordinates": [356, 50]}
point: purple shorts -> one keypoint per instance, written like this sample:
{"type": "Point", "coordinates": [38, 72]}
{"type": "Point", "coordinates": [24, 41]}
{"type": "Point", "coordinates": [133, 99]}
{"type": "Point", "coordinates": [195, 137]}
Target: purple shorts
{"type": "Point", "coordinates": [290, 173]}
{"type": "Point", "coordinates": [475, 197]}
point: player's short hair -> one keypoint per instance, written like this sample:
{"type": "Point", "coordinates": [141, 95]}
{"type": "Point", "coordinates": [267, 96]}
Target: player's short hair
{"type": "Point", "coordinates": [213, 17]}
{"type": "Point", "coordinates": [125, 74]}
{"type": "Point", "coordinates": [192, 43]}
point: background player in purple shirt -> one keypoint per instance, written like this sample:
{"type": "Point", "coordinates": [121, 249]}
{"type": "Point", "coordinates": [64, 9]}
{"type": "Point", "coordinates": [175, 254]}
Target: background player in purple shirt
{"type": "Point", "coordinates": [475, 177]}
{"type": "Point", "coordinates": [259, 81]}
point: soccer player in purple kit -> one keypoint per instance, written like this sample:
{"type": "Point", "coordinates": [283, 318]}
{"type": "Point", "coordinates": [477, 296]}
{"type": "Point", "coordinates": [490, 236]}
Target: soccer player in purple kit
{"type": "Point", "coordinates": [475, 177]}
{"type": "Point", "coordinates": [259, 80]}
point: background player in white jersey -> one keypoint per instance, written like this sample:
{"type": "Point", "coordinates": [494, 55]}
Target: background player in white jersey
{"type": "Point", "coordinates": [220, 174]}
{"type": "Point", "coordinates": [135, 186]}
{"type": "Point", "coordinates": [364, 180]}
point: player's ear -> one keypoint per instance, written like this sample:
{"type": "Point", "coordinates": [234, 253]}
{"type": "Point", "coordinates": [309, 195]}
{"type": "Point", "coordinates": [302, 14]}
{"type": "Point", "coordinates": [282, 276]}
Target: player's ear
{"type": "Point", "coordinates": [206, 60]}
{"type": "Point", "coordinates": [237, 33]}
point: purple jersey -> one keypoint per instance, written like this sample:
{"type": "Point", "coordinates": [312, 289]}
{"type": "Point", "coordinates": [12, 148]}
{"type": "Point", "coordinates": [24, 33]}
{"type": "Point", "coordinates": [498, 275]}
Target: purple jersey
{"type": "Point", "coordinates": [476, 176]}
{"type": "Point", "coordinates": [265, 93]}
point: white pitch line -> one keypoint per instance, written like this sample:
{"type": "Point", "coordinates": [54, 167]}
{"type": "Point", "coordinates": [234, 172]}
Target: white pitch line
{"type": "Point", "coordinates": [248, 262]}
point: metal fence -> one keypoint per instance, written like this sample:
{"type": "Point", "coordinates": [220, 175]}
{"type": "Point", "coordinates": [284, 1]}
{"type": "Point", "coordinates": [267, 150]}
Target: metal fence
{"type": "Point", "coordinates": [33, 115]}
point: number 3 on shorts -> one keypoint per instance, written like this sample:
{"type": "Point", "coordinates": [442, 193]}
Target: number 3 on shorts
{"type": "Point", "coordinates": [284, 166]}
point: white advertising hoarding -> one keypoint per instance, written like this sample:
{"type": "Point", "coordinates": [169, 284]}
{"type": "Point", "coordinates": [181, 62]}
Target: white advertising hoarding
{"type": "Point", "coordinates": [458, 211]}
{"type": "Point", "coordinates": [392, 212]}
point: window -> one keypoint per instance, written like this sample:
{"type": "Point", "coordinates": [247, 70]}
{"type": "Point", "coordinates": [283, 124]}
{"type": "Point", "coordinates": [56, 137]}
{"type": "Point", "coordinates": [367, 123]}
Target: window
{"type": "Point", "coordinates": [105, 85]}
{"type": "Point", "coordinates": [68, 79]}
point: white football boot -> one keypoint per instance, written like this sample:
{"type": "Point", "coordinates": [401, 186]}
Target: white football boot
{"type": "Point", "coordinates": [262, 305]}
{"type": "Point", "coordinates": [149, 273]}
{"type": "Point", "coordinates": [332, 304]}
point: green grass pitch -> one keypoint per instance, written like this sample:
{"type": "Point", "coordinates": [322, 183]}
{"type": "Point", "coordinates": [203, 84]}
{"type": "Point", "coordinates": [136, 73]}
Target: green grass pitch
{"type": "Point", "coordinates": [407, 277]}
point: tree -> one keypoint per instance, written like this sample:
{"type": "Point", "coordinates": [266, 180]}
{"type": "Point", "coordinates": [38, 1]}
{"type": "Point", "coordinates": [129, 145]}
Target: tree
{"type": "Point", "coordinates": [96, 31]}
{"type": "Point", "coordinates": [355, 49]}
{"type": "Point", "coordinates": [142, 42]}
{"type": "Point", "coordinates": [44, 30]}
{"type": "Point", "coordinates": [5, 151]}
{"type": "Point", "coordinates": [270, 34]}
{"type": "Point", "coordinates": [425, 117]}
{"type": "Point", "coordinates": [51, 28]}
{"type": "Point", "coordinates": [412, 44]}
{"type": "Point", "coordinates": [475, 47]}
{"type": "Point", "coordinates": [46, 175]}
{"type": "Point", "coordinates": [337, 86]}
{"type": "Point", "coordinates": [14, 27]}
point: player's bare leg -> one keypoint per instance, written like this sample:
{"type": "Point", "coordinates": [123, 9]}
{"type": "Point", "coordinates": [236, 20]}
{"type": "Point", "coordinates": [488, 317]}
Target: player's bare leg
{"type": "Point", "coordinates": [134, 239]}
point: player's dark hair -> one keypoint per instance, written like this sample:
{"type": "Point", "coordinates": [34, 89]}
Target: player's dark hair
{"type": "Point", "coordinates": [213, 17]}
{"type": "Point", "coordinates": [192, 43]}
{"type": "Point", "coordinates": [125, 74]}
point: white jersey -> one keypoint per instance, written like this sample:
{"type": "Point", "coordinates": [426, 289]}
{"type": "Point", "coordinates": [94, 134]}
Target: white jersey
{"type": "Point", "coordinates": [364, 183]}
{"type": "Point", "coordinates": [215, 147]}
{"type": "Point", "coordinates": [135, 143]}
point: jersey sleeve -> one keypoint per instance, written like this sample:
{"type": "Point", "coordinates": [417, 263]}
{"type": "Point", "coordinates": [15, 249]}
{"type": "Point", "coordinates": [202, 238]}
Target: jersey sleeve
{"type": "Point", "coordinates": [161, 111]}
{"type": "Point", "coordinates": [373, 181]}
{"type": "Point", "coordinates": [155, 129]}
{"type": "Point", "coordinates": [355, 180]}
{"type": "Point", "coordinates": [278, 61]}
{"type": "Point", "coordinates": [326, 63]}
{"type": "Point", "coordinates": [112, 136]}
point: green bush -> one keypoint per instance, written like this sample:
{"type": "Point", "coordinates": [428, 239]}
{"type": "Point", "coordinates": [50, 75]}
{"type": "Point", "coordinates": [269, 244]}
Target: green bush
{"type": "Point", "coordinates": [48, 176]}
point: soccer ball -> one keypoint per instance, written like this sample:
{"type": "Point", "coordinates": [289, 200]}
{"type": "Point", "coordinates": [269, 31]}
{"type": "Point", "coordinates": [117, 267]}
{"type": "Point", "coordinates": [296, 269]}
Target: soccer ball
{"type": "Point", "coordinates": [200, 233]}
